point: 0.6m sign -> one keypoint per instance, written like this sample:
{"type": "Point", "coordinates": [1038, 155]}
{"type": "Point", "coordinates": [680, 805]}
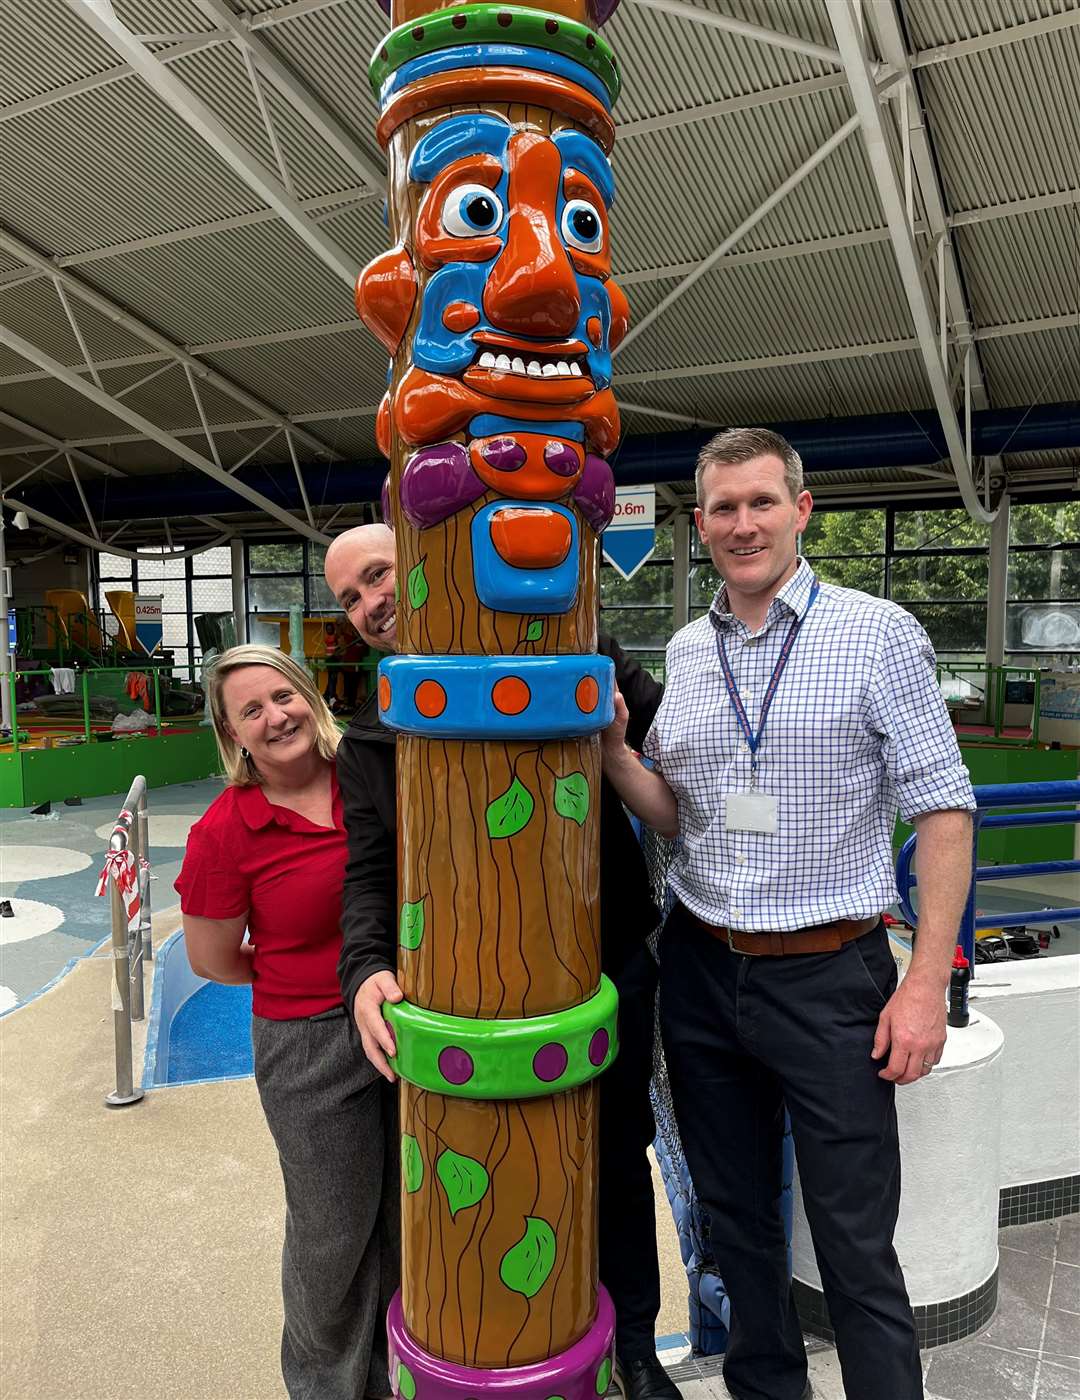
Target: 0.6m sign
{"type": "Point", "coordinates": [629, 539]}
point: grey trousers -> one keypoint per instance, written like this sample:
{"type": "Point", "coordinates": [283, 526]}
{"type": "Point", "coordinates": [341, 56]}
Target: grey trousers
{"type": "Point", "coordinates": [334, 1122]}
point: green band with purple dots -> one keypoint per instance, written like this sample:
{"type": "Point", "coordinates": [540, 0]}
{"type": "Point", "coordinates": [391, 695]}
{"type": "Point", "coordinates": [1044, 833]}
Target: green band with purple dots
{"type": "Point", "coordinates": [505, 1059]}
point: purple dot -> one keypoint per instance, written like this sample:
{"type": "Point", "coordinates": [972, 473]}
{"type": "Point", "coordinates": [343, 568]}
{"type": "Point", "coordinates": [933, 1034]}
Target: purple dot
{"type": "Point", "coordinates": [455, 1065]}
{"type": "Point", "coordinates": [598, 1047]}
{"type": "Point", "coordinates": [504, 454]}
{"type": "Point", "coordinates": [549, 1062]}
{"type": "Point", "coordinates": [561, 458]}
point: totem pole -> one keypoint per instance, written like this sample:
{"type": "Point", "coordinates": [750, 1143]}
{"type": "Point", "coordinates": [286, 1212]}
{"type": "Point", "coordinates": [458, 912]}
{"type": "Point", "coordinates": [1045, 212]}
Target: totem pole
{"type": "Point", "coordinates": [497, 307]}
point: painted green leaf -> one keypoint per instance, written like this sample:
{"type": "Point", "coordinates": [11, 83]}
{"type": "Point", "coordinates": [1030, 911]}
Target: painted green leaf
{"type": "Point", "coordinates": [406, 1382]}
{"type": "Point", "coordinates": [464, 1180]}
{"type": "Point", "coordinates": [417, 586]}
{"type": "Point", "coordinates": [526, 1265]}
{"type": "Point", "coordinates": [411, 926]}
{"type": "Point", "coordinates": [572, 797]}
{"type": "Point", "coordinates": [509, 813]}
{"type": "Point", "coordinates": [412, 1163]}
{"type": "Point", "coordinates": [536, 630]}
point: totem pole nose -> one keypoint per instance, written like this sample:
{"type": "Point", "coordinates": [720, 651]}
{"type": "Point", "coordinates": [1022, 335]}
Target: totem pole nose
{"type": "Point", "coordinates": [532, 289]}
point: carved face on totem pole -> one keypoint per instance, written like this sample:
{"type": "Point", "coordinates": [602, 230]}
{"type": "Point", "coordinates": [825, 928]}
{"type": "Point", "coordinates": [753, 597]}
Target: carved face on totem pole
{"type": "Point", "coordinates": [514, 318]}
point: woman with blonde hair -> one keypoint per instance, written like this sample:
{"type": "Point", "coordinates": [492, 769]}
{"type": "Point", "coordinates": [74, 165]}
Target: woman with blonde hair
{"type": "Point", "coordinates": [268, 860]}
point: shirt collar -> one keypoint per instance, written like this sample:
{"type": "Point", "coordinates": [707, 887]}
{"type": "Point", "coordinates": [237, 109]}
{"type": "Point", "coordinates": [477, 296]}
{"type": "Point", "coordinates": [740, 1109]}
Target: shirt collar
{"type": "Point", "coordinates": [258, 813]}
{"type": "Point", "coordinates": [793, 598]}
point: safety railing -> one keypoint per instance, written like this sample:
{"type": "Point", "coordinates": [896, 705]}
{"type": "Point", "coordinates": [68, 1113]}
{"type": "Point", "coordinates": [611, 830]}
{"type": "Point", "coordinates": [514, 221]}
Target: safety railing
{"type": "Point", "coordinates": [1064, 800]}
{"type": "Point", "coordinates": [126, 876]}
{"type": "Point", "coordinates": [89, 683]}
{"type": "Point", "coordinates": [988, 688]}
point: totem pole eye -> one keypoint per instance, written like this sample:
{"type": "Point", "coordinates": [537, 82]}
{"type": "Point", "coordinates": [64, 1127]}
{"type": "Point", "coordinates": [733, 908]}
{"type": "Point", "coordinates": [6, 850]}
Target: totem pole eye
{"type": "Point", "coordinates": [582, 226]}
{"type": "Point", "coordinates": [471, 209]}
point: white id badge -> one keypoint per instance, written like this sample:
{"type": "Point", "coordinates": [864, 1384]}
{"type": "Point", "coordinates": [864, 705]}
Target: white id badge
{"type": "Point", "coordinates": [751, 811]}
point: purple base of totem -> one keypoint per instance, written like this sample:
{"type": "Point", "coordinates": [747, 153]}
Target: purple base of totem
{"type": "Point", "coordinates": [582, 1372]}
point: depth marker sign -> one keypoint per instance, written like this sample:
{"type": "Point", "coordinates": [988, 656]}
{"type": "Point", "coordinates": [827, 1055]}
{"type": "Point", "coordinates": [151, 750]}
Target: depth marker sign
{"type": "Point", "coordinates": [148, 632]}
{"type": "Point", "coordinates": [630, 538]}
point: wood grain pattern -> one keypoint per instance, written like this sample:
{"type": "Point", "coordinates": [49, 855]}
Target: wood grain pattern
{"type": "Point", "coordinates": [540, 1157]}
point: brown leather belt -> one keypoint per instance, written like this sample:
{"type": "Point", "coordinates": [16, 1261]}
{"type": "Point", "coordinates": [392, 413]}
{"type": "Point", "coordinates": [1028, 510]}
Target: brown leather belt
{"type": "Point", "coordinates": [822, 938]}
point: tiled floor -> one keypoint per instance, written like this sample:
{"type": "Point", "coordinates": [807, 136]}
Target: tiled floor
{"type": "Point", "coordinates": [1030, 1351]}
{"type": "Point", "coordinates": [1032, 1347]}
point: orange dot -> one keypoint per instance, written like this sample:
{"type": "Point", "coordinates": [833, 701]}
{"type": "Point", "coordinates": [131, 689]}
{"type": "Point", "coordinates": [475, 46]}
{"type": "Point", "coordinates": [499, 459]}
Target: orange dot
{"type": "Point", "coordinates": [384, 693]}
{"type": "Point", "coordinates": [430, 699]}
{"type": "Point", "coordinates": [460, 316]}
{"type": "Point", "coordinates": [594, 330]}
{"type": "Point", "coordinates": [587, 695]}
{"type": "Point", "coordinates": [510, 695]}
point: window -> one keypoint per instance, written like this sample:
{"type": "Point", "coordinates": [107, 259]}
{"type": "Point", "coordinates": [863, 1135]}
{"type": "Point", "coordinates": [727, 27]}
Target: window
{"type": "Point", "coordinates": [1042, 618]}
{"type": "Point", "coordinates": [637, 611]}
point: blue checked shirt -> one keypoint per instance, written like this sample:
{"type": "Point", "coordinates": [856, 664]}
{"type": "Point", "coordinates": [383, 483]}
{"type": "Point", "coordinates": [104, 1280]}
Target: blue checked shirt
{"type": "Point", "coordinates": [857, 729]}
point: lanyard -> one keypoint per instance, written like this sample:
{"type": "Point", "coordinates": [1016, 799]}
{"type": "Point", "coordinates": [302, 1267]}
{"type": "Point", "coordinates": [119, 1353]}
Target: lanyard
{"type": "Point", "coordinates": [753, 740]}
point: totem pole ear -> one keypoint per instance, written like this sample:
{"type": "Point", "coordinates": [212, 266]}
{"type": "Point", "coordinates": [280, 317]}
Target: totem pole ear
{"type": "Point", "coordinates": [620, 312]}
{"type": "Point", "coordinates": [386, 294]}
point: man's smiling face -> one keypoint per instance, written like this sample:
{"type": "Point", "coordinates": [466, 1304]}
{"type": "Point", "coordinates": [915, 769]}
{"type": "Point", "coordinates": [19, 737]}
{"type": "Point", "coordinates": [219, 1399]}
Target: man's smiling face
{"type": "Point", "coordinates": [360, 572]}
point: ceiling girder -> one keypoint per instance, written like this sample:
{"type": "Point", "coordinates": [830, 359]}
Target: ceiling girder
{"type": "Point", "coordinates": [17, 248]}
{"type": "Point", "coordinates": [168, 88]}
{"type": "Point", "coordinates": [851, 43]}
{"type": "Point", "coordinates": [167, 440]}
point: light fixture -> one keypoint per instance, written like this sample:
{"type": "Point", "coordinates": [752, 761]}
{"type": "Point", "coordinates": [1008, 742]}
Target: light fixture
{"type": "Point", "coordinates": [20, 521]}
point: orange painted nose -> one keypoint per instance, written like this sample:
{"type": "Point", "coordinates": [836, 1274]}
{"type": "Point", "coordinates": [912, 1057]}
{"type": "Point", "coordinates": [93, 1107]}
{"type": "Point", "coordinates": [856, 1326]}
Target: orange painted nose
{"type": "Point", "coordinates": [532, 290]}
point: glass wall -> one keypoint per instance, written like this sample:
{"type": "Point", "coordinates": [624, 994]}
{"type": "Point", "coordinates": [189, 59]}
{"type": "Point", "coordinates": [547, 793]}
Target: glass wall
{"type": "Point", "coordinates": [187, 587]}
{"type": "Point", "coordinates": [637, 611]}
{"type": "Point", "coordinates": [935, 563]}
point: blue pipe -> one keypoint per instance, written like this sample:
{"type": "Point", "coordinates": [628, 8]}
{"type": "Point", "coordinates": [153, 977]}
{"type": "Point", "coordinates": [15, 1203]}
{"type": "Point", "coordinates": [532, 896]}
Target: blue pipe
{"type": "Point", "coordinates": [1001, 795]}
{"type": "Point", "coordinates": [839, 444]}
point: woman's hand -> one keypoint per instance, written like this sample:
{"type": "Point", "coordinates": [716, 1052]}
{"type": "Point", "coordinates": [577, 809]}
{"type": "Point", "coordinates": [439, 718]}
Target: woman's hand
{"type": "Point", "coordinates": [375, 1034]}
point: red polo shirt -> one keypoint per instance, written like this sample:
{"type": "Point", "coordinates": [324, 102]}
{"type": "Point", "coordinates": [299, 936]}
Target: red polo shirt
{"type": "Point", "coordinates": [246, 856]}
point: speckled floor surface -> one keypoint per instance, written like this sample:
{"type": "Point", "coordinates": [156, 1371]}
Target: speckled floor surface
{"type": "Point", "coordinates": [48, 870]}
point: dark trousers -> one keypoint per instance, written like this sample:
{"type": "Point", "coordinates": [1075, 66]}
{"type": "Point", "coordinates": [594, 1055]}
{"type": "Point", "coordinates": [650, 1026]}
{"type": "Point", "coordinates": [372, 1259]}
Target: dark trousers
{"type": "Point", "coordinates": [334, 1123]}
{"type": "Point", "coordinates": [628, 1264]}
{"type": "Point", "coordinates": [743, 1036]}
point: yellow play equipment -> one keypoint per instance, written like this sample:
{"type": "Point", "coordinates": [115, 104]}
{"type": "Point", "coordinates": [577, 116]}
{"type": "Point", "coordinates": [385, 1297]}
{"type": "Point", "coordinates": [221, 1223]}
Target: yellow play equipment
{"type": "Point", "coordinates": [122, 602]}
{"type": "Point", "coordinates": [70, 621]}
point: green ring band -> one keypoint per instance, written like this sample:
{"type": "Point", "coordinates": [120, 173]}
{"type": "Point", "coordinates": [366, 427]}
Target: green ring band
{"type": "Point", "coordinates": [522, 1058]}
{"type": "Point", "coordinates": [529, 27]}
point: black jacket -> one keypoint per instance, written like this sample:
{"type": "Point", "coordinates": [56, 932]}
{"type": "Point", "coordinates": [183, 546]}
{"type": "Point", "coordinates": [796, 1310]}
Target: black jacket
{"type": "Point", "coordinates": [366, 775]}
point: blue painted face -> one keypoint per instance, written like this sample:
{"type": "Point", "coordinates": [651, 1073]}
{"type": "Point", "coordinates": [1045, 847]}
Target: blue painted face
{"type": "Point", "coordinates": [514, 232]}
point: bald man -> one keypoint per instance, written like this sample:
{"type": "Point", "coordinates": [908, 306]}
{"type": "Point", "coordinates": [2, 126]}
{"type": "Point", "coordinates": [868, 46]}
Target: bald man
{"type": "Point", "coordinates": [360, 572]}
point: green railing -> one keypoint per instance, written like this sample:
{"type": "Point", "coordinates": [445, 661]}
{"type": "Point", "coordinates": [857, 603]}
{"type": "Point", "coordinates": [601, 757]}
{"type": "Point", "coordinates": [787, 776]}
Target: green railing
{"type": "Point", "coordinates": [990, 685]}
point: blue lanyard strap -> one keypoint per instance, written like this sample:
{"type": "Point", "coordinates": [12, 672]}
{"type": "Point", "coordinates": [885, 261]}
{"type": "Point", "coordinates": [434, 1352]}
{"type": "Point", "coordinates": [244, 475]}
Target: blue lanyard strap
{"type": "Point", "coordinates": [753, 740]}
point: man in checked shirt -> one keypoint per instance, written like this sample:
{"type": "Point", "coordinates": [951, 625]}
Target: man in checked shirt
{"type": "Point", "coordinates": [798, 717]}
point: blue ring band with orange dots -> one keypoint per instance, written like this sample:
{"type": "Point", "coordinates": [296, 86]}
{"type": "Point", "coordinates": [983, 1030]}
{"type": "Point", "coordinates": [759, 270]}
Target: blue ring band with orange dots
{"type": "Point", "coordinates": [489, 698]}
{"type": "Point", "coordinates": [524, 1058]}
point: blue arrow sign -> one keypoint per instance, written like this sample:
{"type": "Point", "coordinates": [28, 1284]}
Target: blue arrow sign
{"type": "Point", "coordinates": [148, 626]}
{"type": "Point", "coordinates": [630, 538]}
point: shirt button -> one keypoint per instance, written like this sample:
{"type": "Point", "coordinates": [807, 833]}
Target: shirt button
{"type": "Point", "coordinates": [740, 859]}
{"type": "Point", "coordinates": [736, 913]}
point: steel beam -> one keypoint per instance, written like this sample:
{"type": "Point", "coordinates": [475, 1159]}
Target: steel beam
{"type": "Point", "coordinates": [885, 23]}
{"type": "Point", "coordinates": [890, 191]}
{"type": "Point", "coordinates": [115, 313]}
{"type": "Point", "coordinates": [795, 178]}
{"type": "Point", "coordinates": [729, 25]}
{"type": "Point", "coordinates": [980, 43]}
{"type": "Point", "coordinates": [47, 439]}
{"type": "Point", "coordinates": [102, 546]}
{"type": "Point", "coordinates": [168, 88]}
{"type": "Point", "coordinates": [299, 96]}
{"type": "Point", "coordinates": [167, 440]}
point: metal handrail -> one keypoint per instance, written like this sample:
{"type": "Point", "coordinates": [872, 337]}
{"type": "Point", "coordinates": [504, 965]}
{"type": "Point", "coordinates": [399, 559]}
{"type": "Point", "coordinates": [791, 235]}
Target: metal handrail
{"type": "Point", "coordinates": [988, 796]}
{"type": "Point", "coordinates": [132, 943]}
